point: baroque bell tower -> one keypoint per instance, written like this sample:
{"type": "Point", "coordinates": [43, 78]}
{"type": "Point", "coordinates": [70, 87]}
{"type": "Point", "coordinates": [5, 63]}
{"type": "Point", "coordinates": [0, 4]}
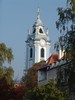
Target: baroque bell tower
{"type": "Point", "coordinates": [37, 43]}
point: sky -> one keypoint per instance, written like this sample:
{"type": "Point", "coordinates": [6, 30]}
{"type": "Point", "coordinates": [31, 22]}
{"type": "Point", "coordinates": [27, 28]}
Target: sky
{"type": "Point", "coordinates": [16, 17]}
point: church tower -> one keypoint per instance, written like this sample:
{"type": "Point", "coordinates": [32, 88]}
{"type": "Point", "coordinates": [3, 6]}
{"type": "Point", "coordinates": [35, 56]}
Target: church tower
{"type": "Point", "coordinates": [37, 43]}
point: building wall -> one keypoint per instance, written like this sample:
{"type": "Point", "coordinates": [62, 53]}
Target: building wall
{"type": "Point", "coordinates": [51, 71]}
{"type": "Point", "coordinates": [52, 74]}
{"type": "Point", "coordinates": [42, 77]}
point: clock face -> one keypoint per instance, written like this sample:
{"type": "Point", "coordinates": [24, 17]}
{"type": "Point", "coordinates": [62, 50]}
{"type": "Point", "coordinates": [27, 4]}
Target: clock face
{"type": "Point", "coordinates": [42, 42]}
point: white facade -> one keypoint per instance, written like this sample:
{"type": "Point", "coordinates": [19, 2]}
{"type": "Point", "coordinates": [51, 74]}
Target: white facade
{"type": "Point", "coordinates": [49, 72]}
{"type": "Point", "coordinates": [37, 44]}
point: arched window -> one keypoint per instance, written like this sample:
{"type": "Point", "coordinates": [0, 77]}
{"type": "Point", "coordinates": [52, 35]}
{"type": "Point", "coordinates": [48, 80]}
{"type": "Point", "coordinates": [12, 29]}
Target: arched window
{"type": "Point", "coordinates": [34, 30]}
{"type": "Point", "coordinates": [42, 52]}
{"type": "Point", "coordinates": [40, 30]}
{"type": "Point", "coordinates": [31, 52]}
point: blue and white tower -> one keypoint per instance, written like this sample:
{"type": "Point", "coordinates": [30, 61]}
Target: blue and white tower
{"type": "Point", "coordinates": [37, 44]}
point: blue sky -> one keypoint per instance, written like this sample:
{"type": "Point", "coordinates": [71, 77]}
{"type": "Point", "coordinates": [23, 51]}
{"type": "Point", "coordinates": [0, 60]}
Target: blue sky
{"type": "Point", "coordinates": [17, 16]}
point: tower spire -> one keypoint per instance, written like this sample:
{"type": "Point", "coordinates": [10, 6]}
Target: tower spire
{"type": "Point", "coordinates": [38, 13]}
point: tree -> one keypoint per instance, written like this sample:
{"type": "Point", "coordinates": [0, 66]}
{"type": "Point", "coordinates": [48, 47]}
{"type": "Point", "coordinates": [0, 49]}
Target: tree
{"type": "Point", "coordinates": [66, 25]}
{"type": "Point", "coordinates": [29, 80]}
{"type": "Point", "coordinates": [6, 74]}
{"type": "Point", "coordinates": [72, 4]}
{"type": "Point", "coordinates": [17, 92]}
{"type": "Point", "coordinates": [6, 82]}
{"type": "Point", "coordinates": [5, 54]}
{"type": "Point", "coordinates": [50, 91]}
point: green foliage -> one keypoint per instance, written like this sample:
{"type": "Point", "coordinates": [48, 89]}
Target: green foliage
{"type": "Point", "coordinates": [6, 74]}
{"type": "Point", "coordinates": [9, 55]}
{"type": "Point", "coordinates": [1, 72]}
{"type": "Point", "coordinates": [49, 91]}
{"type": "Point", "coordinates": [5, 54]}
{"type": "Point", "coordinates": [66, 26]}
{"type": "Point", "coordinates": [6, 83]}
{"type": "Point", "coordinates": [72, 4]}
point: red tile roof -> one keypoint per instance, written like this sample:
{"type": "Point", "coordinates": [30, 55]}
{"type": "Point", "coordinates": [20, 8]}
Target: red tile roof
{"type": "Point", "coordinates": [53, 58]}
